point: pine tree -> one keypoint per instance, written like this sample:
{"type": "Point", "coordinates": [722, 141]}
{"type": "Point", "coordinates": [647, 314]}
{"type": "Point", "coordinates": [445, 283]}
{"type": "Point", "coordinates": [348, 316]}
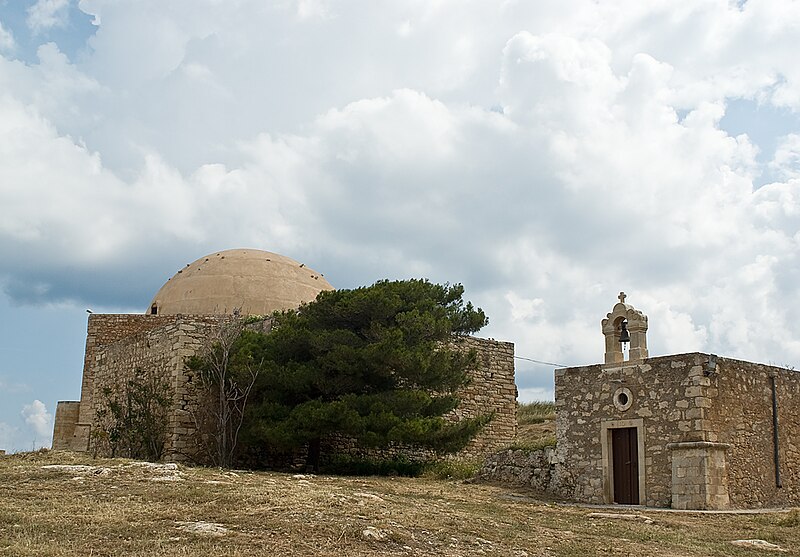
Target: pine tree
{"type": "Point", "coordinates": [376, 364]}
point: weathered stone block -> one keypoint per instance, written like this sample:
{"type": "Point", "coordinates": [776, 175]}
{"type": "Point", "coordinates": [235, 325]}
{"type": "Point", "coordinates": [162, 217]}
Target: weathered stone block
{"type": "Point", "coordinates": [693, 391]}
{"type": "Point", "coordinates": [702, 402]}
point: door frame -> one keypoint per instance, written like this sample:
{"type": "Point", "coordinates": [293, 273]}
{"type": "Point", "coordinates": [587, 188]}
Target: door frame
{"type": "Point", "coordinates": [606, 456]}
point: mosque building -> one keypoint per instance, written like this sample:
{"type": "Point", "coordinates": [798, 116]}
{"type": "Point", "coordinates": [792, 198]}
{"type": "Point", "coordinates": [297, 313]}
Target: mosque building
{"type": "Point", "coordinates": [195, 302]}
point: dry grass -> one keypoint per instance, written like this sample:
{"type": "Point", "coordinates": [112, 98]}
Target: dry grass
{"type": "Point", "coordinates": [536, 425]}
{"type": "Point", "coordinates": [535, 412]}
{"type": "Point", "coordinates": [117, 507]}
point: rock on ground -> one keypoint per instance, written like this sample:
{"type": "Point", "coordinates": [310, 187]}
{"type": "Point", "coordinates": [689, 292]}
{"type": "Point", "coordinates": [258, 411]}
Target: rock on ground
{"type": "Point", "coordinates": [758, 544]}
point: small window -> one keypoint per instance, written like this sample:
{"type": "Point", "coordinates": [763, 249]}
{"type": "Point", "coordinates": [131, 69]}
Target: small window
{"type": "Point", "coordinates": [154, 310]}
{"type": "Point", "coordinates": [623, 398]}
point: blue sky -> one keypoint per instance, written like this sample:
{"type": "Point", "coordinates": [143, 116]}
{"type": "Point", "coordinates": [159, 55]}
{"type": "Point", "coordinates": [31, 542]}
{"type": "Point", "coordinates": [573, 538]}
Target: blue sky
{"type": "Point", "coordinates": [547, 155]}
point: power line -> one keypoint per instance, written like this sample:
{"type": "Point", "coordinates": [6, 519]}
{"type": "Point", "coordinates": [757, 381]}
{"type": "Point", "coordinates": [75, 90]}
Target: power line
{"type": "Point", "coordinates": [539, 361]}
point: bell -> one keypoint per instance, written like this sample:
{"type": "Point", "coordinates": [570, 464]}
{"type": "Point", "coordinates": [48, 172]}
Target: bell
{"type": "Point", "coordinates": [624, 335]}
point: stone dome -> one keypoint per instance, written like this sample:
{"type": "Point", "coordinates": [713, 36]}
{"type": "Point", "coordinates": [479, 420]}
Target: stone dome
{"type": "Point", "coordinates": [255, 282]}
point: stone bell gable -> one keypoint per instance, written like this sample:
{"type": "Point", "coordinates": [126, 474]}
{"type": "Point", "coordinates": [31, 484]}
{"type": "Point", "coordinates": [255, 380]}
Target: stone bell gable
{"type": "Point", "coordinates": [625, 316]}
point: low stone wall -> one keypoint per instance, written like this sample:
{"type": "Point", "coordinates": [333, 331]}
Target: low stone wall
{"type": "Point", "coordinates": [537, 469]}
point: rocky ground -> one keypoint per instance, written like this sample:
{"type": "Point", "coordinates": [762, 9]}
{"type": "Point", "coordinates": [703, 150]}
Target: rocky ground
{"type": "Point", "coordinates": [63, 504]}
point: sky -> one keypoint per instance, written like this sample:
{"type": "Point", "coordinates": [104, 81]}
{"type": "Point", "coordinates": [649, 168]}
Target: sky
{"type": "Point", "coordinates": [546, 155]}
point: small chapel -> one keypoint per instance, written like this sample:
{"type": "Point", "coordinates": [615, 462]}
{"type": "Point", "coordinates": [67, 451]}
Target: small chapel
{"type": "Point", "coordinates": [687, 431]}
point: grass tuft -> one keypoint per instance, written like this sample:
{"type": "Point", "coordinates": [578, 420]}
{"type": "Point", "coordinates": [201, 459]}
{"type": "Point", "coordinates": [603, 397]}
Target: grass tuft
{"type": "Point", "coordinates": [451, 470]}
{"type": "Point", "coordinates": [792, 519]}
{"type": "Point", "coordinates": [536, 426]}
{"type": "Point", "coordinates": [535, 412]}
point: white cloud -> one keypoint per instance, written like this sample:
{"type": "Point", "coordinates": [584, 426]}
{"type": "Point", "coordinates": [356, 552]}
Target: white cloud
{"type": "Point", "coordinates": [535, 394]}
{"type": "Point", "coordinates": [46, 14]}
{"type": "Point", "coordinates": [39, 419]}
{"type": "Point", "coordinates": [786, 162]}
{"type": "Point", "coordinates": [404, 28]}
{"type": "Point", "coordinates": [546, 156]}
{"type": "Point", "coordinates": [311, 8]}
{"type": "Point", "coordinates": [7, 42]}
{"type": "Point", "coordinates": [521, 308]}
{"type": "Point", "coordinates": [37, 434]}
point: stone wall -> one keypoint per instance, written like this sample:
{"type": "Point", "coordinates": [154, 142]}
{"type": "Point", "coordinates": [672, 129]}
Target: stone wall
{"type": "Point", "coordinates": [71, 432]}
{"type": "Point", "coordinates": [491, 390]}
{"type": "Point", "coordinates": [67, 413]}
{"type": "Point", "coordinates": [740, 415]}
{"type": "Point", "coordinates": [162, 351]}
{"type": "Point", "coordinates": [704, 425]}
{"type": "Point", "coordinates": [103, 330]}
{"type": "Point", "coordinates": [536, 469]}
{"type": "Point", "coordinates": [119, 344]}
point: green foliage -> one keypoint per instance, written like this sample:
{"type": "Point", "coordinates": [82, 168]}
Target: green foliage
{"type": "Point", "coordinates": [376, 364]}
{"type": "Point", "coordinates": [535, 412]}
{"type": "Point", "coordinates": [451, 470]}
{"type": "Point", "coordinates": [345, 465]}
{"type": "Point", "coordinates": [133, 419]}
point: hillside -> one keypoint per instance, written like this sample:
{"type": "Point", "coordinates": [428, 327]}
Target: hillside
{"type": "Point", "coordinates": [63, 504]}
{"type": "Point", "coordinates": [536, 425]}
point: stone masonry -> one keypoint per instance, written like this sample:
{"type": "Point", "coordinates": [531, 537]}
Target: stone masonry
{"type": "Point", "coordinates": [156, 344]}
{"type": "Point", "coordinates": [690, 431]}
{"type": "Point", "coordinates": [535, 469]}
{"type": "Point", "coordinates": [161, 344]}
{"type": "Point", "coordinates": [491, 391]}
{"type": "Point", "coordinates": [705, 424]}
{"type": "Point", "coordinates": [73, 419]}
{"type": "Point", "coordinates": [739, 414]}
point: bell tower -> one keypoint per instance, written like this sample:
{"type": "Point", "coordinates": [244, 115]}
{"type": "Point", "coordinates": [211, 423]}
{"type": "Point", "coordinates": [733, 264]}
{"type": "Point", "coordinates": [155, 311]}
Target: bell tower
{"type": "Point", "coordinates": [625, 323]}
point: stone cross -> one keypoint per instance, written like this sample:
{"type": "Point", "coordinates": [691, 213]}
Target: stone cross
{"type": "Point", "coordinates": [622, 297]}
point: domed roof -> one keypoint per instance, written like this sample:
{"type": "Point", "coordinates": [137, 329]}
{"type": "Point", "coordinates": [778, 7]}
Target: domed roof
{"type": "Point", "coordinates": [252, 281]}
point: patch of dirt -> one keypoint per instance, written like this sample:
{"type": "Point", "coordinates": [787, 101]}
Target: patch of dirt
{"type": "Point", "coordinates": [203, 528]}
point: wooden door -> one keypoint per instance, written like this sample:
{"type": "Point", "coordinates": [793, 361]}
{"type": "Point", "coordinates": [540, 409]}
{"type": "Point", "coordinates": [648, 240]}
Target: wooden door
{"type": "Point", "coordinates": [625, 462]}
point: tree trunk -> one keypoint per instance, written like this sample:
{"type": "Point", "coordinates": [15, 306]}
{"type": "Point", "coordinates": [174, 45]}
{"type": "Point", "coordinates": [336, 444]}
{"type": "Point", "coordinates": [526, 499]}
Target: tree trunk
{"type": "Point", "coordinates": [312, 459]}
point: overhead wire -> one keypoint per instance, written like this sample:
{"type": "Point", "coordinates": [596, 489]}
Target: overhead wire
{"type": "Point", "coordinates": [539, 361]}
